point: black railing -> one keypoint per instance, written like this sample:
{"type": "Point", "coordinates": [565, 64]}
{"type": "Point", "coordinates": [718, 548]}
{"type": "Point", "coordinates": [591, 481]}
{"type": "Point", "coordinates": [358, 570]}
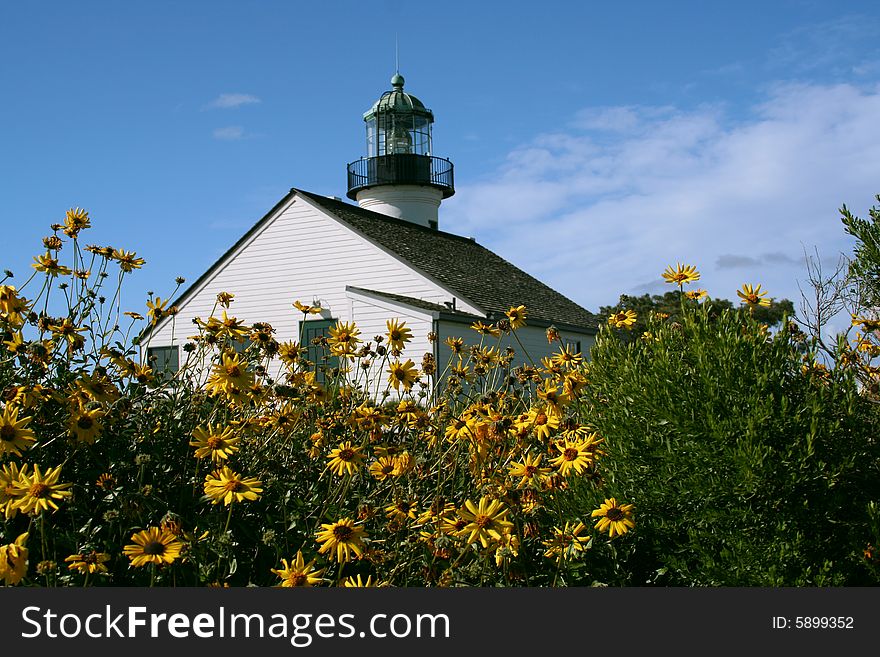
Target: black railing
{"type": "Point", "coordinates": [400, 169]}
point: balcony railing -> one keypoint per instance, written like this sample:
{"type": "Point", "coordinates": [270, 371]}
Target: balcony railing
{"type": "Point", "coordinates": [400, 169]}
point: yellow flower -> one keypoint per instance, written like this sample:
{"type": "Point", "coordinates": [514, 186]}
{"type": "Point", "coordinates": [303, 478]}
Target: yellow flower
{"type": "Point", "coordinates": [153, 545]}
{"type": "Point", "coordinates": [529, 471]}
{"type": "Point", "coordinates": [343, 338]}
{"type": "Point", "coordinates": [10, 489]}
{"type": "Point", "coordinates": [752, 296]}
{"type": "Point", "coordinates": [681, 274]}
{"type": "Point", "coordinates": [230, 375]}
{"type": "Point", "coordinates": [486, 329]}
{"type": "Point", "coordinates": [567, 543]}
{"type": "Point", "coordinates": [14, 434]}
{"type": "Point", "coordinates": [39, 490]}
{"type": "Point", "coordinates": [49, 265]}
{"type": "Point", "coordinates": [517, 316]}
{"type": "Point", "coordinates": [224, 485]}
{"type": "Point", "coordinates": [289, 352]}
{"type": "Point", "coordinates": [75, 220]}
{"type": "Point", "coordinates": [218, 442]}
{"type": "Point", "coordinates": [298, 573]}
{"type": "Point", "coordinates": [401, 510]}
{"type": "Point", "coordinates": [867, 324]}
{"type": "Point", "coordinates": [623, 319]}
{"type": "Point", "coordinates": [567, 357]}
{"type": "Point", "coordinates": [456, 346]}
{"type": "Point", "coordinates": [485, 521]}
{"type": "Point", "coordinates": [398, 334]}
{"type": "Point", "coordinates": [383, 468]}
{"type": "Point", "coordinates": [402, 374]}
{"type": "Point", "coordinates": [340, 539]}
{"type": "Point", "coordinates": [13, 560]}
{"type": "Point", "coordinates": [345, 459]}
{"type": "Point", "coordinates": [614, 518]}
{"type": "Point", "coordinates": [88, 563]}
{"type": "Point", "coordinates": [695, 294]}
{"type": "Point", "coordinates": [575, 455]}
{"type": "Point", "coordinates": [128, 260]}
{"type": "Point", "coordinates": [85, 424]}
{"type": "Point", "coordinates": [156, 309]}
{"type": "Point", "coordinates": [225, 298]}
{"type": "Point", "coordinates": [543, 421]}
{"type": "Point", "coordinates": [357, 581]}
{"type": "Point", "coordinates": [307, 310]}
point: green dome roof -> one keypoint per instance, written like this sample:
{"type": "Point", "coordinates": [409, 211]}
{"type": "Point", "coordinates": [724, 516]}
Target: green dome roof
{"type": "Point", "coordinates": [397, 100]}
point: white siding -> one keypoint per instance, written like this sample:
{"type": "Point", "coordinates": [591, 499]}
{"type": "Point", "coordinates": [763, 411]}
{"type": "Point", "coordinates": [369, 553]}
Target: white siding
{"type": "Point", "coordinates": [371, 317]}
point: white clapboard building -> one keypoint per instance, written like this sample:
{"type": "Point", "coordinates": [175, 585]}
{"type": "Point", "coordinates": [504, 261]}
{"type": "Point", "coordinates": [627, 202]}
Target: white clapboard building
{"type": "Point", "coordinates": [383, 258]}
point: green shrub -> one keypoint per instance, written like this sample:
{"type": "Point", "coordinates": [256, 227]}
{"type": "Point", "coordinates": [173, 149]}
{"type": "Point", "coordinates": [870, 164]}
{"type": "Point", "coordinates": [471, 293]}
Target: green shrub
{"type": "Point", "coordinates": [747, 467]}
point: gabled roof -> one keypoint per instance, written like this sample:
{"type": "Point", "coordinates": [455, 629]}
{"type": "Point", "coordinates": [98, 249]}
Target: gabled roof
{"type": "Point", "coordinates": [461, 265]}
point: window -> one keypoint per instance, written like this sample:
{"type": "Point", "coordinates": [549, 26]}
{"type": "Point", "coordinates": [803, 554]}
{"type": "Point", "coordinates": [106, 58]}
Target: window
{"type": "Point", "coordinates": [165, 361]}
{"type": "Point", "coordinates": [316, 353]}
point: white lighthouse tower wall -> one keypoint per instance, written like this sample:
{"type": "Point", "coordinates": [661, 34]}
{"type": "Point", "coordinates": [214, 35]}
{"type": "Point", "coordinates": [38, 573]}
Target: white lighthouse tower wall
{"type": "Point", "coordinates": [418, 204]}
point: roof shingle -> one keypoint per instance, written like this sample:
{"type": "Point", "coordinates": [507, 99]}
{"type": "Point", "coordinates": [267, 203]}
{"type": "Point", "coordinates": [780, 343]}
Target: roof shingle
{"type": "Point", "coordinates": [462, 265]}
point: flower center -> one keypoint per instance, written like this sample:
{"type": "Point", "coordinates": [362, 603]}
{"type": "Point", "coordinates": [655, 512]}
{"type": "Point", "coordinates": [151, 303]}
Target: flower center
{"type": "Point", "coordinates": [541, 419]}
{"type": "Point", "coordinates": [531, 471]}
{"type": "Point", "coordinates": [346, 454]}
{"type": "Point", "coordinates": [342, 533]}
{"type": "Point", "coordinates": [233, 370]}
{"type": "Point", "coordinates": [156, 548]}
{"type": "Point", "coordinates": [298, 579]}
{"type": "Point", "coordinates": [483, 521]}
{"type": "Point", "coordinates": [232, 486]}
{"type": "Point", "coordinates": [39, 491]}
{"type": "Point", "coordinates": [214, 442]}
{"type": "Point", "coordinates": [85, 423]}
{"type": "Point", "coordinates": [614, 514]}
{"type": "Point", "coordinates": [570, 454]}
{"type": "Point", "coordinates": [7, 432]}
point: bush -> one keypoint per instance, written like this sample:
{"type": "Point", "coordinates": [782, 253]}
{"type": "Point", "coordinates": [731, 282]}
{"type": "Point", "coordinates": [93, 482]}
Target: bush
{"type": "Point", "coordinates": [749, 466]}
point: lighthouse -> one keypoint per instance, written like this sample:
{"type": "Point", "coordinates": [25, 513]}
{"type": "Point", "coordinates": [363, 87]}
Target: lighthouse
{"type": "Point", "coordinates": [399, 176]}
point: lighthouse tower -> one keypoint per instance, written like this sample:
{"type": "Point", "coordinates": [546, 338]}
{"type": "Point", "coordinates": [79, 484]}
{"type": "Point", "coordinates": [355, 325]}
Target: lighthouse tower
{"type": "Point", "coordinates": [399, 176]}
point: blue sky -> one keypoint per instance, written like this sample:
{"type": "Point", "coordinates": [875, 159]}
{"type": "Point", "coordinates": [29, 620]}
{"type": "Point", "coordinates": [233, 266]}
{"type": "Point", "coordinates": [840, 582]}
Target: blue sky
{"type": "Point", "coordinates": [594, 143]}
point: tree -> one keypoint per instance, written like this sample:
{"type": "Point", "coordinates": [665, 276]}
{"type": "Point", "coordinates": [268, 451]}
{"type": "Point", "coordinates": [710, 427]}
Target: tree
{"type": "Point", "coordinates": [670, 304]}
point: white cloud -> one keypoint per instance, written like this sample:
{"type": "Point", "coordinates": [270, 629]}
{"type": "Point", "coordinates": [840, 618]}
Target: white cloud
{"type": "Point", "coordinates": [602, 208]}
{"type": "Point", "coordinates": [229, 133]}
{"type": "Point", "coordinates": [228, 101]}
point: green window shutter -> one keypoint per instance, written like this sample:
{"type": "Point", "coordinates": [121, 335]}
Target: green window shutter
{"type": "Point", "coordinates": [165, 361]}
{"type": "Point", "coordinates": [311, 330]}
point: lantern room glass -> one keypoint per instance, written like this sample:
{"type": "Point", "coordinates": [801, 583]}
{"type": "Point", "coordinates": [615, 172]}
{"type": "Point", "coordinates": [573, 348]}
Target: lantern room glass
{"type": "Point", "coordinates": [398, 132]}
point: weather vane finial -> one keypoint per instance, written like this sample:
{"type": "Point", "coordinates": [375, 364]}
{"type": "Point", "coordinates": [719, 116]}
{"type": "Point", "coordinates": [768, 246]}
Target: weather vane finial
{"type": "Point", "coordinates": [396, 55]}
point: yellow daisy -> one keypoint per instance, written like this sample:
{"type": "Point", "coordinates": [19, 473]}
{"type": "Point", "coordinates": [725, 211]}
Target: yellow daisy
{"type": "Point", "coordinates": [14, 434]}
{"type": "Point", "coordinates": [40, 490]}
{"type": "Point", "coordinates": [681, 274]}
{"type": "Point", "coordinates": [753, 296]}
{"type": "Point", "coordinates": [14, 560]}
{"type": "Point", "coordinates": [485, 521]}
{"type": "Point", "coordinates": [216, 442]}
{"type": "Point", "coordinates": [153, 545]}
{"type": "Point", "coordinates": [614, 518]}
{"type": "Point", "coordinates": [340, 539]}
{"type": "Point", "coordinates": [398, 334]}
{"type": "Point", "coordinates": [345, 459]}
{"type": "Point", "coordinates": [623, 319]}
{"type": "Point", "coordinates": [298, 573]}
{"type": "Point", "coordinates": [226, 486]}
